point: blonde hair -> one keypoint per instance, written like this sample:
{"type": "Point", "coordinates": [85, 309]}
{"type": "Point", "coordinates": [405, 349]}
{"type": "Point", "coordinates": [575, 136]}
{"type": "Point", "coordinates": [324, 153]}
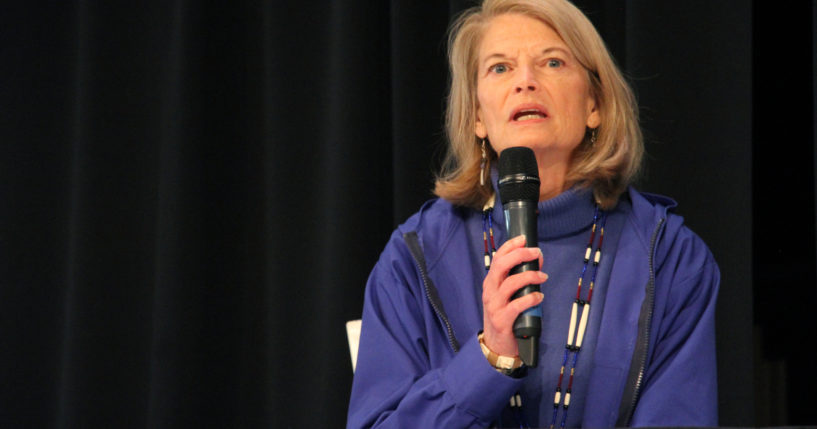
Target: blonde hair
{"type": "Point", "coordinates": [607, 166]}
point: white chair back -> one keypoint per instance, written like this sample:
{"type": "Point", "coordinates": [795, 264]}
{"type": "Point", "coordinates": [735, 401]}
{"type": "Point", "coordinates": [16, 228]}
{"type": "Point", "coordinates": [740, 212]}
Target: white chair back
{"type": "Point", "coordinates": [353, 335]}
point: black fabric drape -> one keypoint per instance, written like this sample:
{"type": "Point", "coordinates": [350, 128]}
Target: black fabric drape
{"type": "Point", "coordinates": [194, 193]}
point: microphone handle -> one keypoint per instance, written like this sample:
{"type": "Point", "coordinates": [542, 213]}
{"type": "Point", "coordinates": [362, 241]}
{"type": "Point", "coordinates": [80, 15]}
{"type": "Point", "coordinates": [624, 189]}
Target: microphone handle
{"type": "Point", "coordinates": [520, 218]}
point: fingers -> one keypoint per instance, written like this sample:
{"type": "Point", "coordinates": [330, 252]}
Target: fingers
{"type": "Point", "coordinates": [499, 311]}
{"type": "Point", "coordinates": [498, 325]}
{"type": "Point", "coordinates": [502, 314]}
{"type": "Point", "coordinates": [517, 306]}
{"type": "Point", "coordinates": [518, 281]}
{"type": "Point", "coordinates": [514, 243]}
{"type": "Point", "coordinates": [513, 247]}
{"type": "Point", "coordinates": [509, 255]}
{"type": "Point", "coordinates": [496, 301]}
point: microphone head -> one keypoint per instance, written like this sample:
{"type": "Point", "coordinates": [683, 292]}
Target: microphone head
{"type": "Point", "coordinates": [518, 175]}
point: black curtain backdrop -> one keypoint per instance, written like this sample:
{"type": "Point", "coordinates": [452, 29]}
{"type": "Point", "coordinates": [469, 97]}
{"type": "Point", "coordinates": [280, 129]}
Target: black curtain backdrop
{"type": "Point", "coordinates": [194, 193]}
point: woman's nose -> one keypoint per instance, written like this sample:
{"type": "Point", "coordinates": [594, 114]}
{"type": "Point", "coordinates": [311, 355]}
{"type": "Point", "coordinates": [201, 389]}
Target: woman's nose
{"type": "Point", "coordinates": [527, 80]}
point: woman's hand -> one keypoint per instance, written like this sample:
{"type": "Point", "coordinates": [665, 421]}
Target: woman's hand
{"type": "Point", "coordinates": [499, 312]}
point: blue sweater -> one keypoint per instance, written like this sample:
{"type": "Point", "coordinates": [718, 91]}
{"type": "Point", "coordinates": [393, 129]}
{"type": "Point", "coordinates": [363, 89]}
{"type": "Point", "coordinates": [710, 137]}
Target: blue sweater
{"type": "Point", "coordinates": [653, 357]}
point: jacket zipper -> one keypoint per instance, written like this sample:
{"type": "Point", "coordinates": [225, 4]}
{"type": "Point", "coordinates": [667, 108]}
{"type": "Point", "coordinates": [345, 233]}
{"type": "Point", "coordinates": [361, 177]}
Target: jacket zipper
{"type": "Point", "coordinates": [419, 261]}
{"type": "Point", "coordinates": [439, 312]}
{"type": "Point", "coordinates": [648, 325]}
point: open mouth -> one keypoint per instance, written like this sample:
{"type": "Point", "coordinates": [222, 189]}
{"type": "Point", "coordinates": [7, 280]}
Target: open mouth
{"type": "Point", "coordinates": [528, 114]}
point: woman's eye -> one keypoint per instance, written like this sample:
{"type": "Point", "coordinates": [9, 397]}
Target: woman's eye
{"type": "Point", "coordinates": [554, 63]}
{"type": "Point", "coordinates": [499, 68]}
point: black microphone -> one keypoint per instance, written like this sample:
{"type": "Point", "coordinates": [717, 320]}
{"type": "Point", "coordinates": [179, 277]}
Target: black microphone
{"type": "Point", "coordinates": [519, 191]}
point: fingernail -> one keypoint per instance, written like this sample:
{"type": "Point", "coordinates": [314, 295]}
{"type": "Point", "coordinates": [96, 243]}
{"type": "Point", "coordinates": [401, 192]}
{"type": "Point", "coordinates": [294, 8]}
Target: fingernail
{"type": "Point", "coordinates": [541, 295]}
{"type": "Point", "coordinates": [520, 238]}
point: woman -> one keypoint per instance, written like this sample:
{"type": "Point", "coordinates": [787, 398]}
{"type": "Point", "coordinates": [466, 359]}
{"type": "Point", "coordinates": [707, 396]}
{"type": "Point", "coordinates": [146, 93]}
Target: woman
{"type": "Point", "coordinates": [627, 330]}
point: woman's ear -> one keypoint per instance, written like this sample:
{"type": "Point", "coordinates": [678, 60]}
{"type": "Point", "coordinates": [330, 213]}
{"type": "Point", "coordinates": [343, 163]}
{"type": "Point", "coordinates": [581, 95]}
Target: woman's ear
{"type": "Point", "coordinates": [479, 126]}
{"type": "Point", "coordinates": [594, 116]}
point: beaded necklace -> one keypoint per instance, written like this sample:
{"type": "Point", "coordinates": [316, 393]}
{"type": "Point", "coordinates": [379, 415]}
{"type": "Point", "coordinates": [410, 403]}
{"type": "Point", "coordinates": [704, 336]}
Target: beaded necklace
{"type": "Point", "coordinates": [575, 334]}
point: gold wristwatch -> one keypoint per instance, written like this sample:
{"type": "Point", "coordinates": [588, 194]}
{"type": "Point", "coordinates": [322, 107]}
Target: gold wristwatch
{"type": "Point", "coordinates": [508, 365]}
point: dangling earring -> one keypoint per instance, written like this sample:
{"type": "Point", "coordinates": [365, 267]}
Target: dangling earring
{"type": "Point", "coordinates": [593, 134]}
{"type": "Point", "coordinates": [482, 165]}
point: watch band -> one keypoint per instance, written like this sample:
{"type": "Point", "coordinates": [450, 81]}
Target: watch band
{"type": "Point", "coordinates": [503, 364]}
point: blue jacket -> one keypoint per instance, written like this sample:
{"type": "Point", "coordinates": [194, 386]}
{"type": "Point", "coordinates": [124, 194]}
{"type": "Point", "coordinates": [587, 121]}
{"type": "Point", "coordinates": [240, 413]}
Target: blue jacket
{"type": "Point", "coordinates": [420, 365]}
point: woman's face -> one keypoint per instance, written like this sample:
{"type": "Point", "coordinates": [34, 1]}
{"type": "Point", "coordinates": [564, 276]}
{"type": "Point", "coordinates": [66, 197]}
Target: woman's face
{"type": "Point", "coordinates": [531, 91]}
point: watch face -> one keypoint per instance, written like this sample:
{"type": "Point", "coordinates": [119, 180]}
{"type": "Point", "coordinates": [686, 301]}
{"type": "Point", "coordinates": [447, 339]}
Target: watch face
{"type": "Point", "coordinates": [505, 362]}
